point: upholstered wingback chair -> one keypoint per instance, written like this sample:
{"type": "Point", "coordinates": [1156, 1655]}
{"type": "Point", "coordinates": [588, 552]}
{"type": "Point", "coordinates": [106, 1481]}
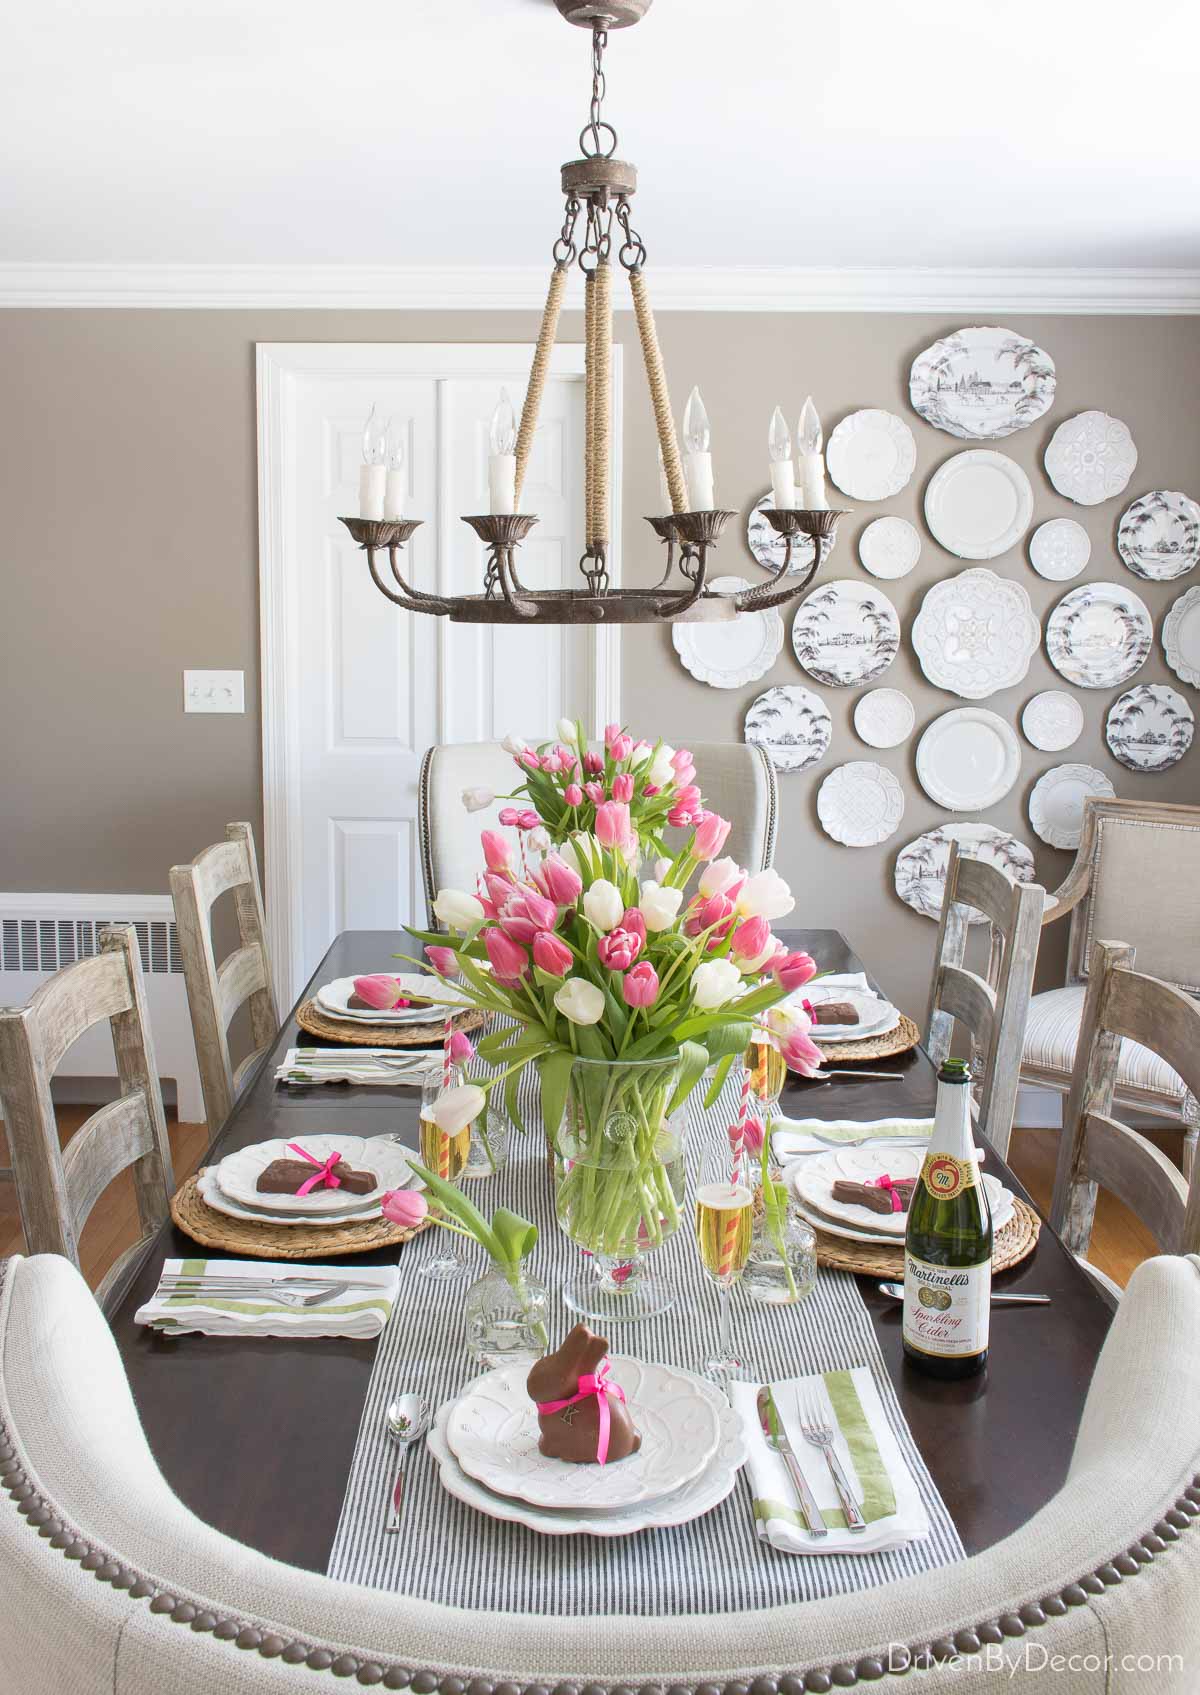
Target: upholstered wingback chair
{"type": "Point", "coordinates": [112, 1587]}
{"type": "Point", "coordinates": [1136, 879]}
{"type": "Point", "coordinates": [738, 781]}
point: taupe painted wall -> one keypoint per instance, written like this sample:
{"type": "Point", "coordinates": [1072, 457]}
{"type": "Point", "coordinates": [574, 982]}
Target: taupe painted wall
{"type": "Point", "coordinates": [127, 486]}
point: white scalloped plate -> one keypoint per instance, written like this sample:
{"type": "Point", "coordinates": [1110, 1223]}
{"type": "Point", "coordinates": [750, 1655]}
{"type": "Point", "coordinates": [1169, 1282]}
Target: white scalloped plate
{"type": "Point", "coordinates": [814, 1177]}
{"type": "Point", "coordinates": [210, 1194]}
{"type": "Point", "coordinates": [238, 1172]}
{"type": "Point", "coordinates": [1052, 721]}
{"type": "Point", "coordinates": [1056, 802]}
{"type": "Point", "coordinates": [884, 717]}
{"type": "Point", "coordinates": [729, 655]}
{"type": "Point", "coordinates": [976, 633]}
{"type": "Point", "coordinates": [978, 504]}
{"type": "Point", "coordinates": [871, 454]}
{"type": "Point", "coordinates": [1181, 637]}
{"type": "Point", "coordinates": [968, 760]}
{"type": "Point", "coordinates": [334, 1000]}
{"type": "Point", "coordinates": [1091, 457]}
{"type": "Point", "coordinates": [889, 547]}
{"type": "Point", "coordinates": [860, 804]}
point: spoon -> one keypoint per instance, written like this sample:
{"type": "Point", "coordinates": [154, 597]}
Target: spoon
{"type": "Point", "coordinates": [896, 1292]}
{"type": "Point", "coordinates": [407, 1419]}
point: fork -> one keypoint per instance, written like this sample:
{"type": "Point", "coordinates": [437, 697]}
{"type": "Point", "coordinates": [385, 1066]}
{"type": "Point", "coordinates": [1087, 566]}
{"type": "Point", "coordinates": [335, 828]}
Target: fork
{"type": "Point", "coordinates": [818, 1431]}
{"type": "Point", "coordinates": [264, 1293]}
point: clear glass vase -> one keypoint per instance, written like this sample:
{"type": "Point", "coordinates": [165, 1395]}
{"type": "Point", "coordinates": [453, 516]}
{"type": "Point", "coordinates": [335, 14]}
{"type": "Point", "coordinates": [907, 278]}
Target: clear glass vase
{"type": "Point", "coordinates": [619, 1183]}
{"type": "Point", "coordinates": [505, 1314]}
{"type": "Point", "coordinates": [490, 1141]}
{"type": "Point", "coordinates": [782, 1265]}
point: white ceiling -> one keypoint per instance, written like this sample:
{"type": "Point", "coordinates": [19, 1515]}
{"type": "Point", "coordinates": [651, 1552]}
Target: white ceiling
{"type": "Point", "coordinates": [768, 132]}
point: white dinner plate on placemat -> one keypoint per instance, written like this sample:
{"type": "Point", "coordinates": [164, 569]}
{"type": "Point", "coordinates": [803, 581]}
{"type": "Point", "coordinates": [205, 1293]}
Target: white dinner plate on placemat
{"type": "Point", "coordinates": [871, 454]}
{"type": "Point", "coordinates": [884, 717]}
{"type": "Point", "coordinates": [1149, 727]}
{"type": "Point", "coordinates": [1056, 802]}
{"type": "Point", "coordinates": [815, 1176]}
{"type": "Point", "coordinates": [1052, 721]}
{"type": "Point", "coordinates": [1181, 637]}
{"type": "Point", "coordinates": [976, 633]}
{"type": "Point", "coordinates": [982, 383]}
{"type": "Point", "coordinates": [1159, 535]}
{"type": "Point", "coordinates": [1091, 457]}
{"type": "Point", "coordinates": [860, 804]}
{"type": "Point", "coordinates": [238, 1173]}
{"type": "Point", "coordinates": [889, 547]}
{"type": "Point", "coordinates": [769, 547]}
{"type": "Point", "coordinates": [1059, 549]}
{"type": "Point", "coordinates": [979, 504]}
{"type": "Point", "coordinates": [845, 632]}
{"type": "Point", "coordinates": [921, 866]}
{"type": "Point", "coordinates": [1002, 1212]}
{"type": "Point", "coordinates": [210, 1194]}
{"type": "Point", "coordinates": [726, 655]}
{"type": "Point", "coordinates": [969, 759]}
{"type": "Point", "coordinates": [876, 1016]}
{"type": "Point", "coordinates": [493, 1433]}
{"type": "Point", "coordinates": [334, 999]}
{"type": "Point", "coordinates": [792, 725]}
{"type": "Point", "coordinates": [1099, 635]}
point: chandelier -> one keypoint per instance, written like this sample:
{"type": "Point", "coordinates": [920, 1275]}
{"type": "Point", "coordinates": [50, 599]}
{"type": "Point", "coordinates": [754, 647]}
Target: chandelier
{"type": "Point", "coordinates": [597, 228]}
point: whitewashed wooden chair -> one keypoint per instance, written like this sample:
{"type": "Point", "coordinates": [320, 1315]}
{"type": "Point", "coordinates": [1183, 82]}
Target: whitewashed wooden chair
{"type": "Point", "coordinates": [992, 1008]}
{"type": "Point", "coordinates": [58, 1187]}
{"type": "Point", "coordinates": [1136, 875]}
{"type": "Point", "coordinates": [216, 992]}
{"type": "Point", "coordinates": [1096, 1150]}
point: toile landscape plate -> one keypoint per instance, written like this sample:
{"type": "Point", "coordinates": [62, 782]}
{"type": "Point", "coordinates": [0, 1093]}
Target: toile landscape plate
{"type": "Point", "coordinates": [792, 724]}
{"type": "Point", "coordinates": [846, 632]}
{"type": "Point", "coordinates": [982, 383]}
{"type": "Point", "coordinates": [1149, 727]}
{"type": "Point", "coordinates": [920, 875]}
{"type": "Point", "coordinates": [1099, 635]}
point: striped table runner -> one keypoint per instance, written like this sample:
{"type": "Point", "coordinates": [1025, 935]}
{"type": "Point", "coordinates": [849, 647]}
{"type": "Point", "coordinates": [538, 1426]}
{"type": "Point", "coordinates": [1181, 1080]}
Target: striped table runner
{"type": "Point", "coordinates": [451, 1554]}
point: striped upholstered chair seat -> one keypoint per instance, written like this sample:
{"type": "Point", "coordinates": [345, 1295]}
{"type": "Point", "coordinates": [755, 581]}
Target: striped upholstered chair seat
{"type": "Point", "coordinates": [1052, 1036]}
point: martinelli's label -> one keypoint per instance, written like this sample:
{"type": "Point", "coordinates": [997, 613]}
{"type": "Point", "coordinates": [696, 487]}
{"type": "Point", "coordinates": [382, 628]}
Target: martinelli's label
{"type": "Point", "coordinates": [946, 1307]}
{"type": "Point", "coordinates": [944, 1176]}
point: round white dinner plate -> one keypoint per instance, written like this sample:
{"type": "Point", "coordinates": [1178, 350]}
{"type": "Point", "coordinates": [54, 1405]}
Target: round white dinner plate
{"type": "Point", "coordinates": [769, 547]}
{"type": "Point", "coordinates": [334, 999]}
{"type": "Point", "coordinates": [1149, 727]}
{"type": "Point", "coordinates": [871, 454]}
{"type": "Point", "coordinates": [238, 1172]}
{"type": "Point", "coordinates": [969, 759]}
{"type": "Point", "coordinates": [976, 633]}
{"type": "Point", "coordinates": [1159, 535]}
{"type": "Point", "coordinates": [845, 632]}
{"type": "Point", "coordinates": [889, 547]}
{"type": "Point", "coordinates": [860, 804]}
{"type": "Point", "coordinates": [727, 655]}
{"type": "Point", "coordinates": [815, 1175]}
{"type": "Point", "coordinates": [1181, 637]}
{"type": "Point", "coordinates": [982, 383]}
{"type": "Point", "coordinates": [210, 1194]}
{"type": "Point", "coordinates": [1002, 1211]}
{"type": "Point", "coordinates": [876, 1017]}
{"type": "Point", "coordinates": [920, 875]}
{"type": "Point", "coordinates": [1059, 549]}
{"type": "Point", "coordinates": [979, 504]}
{"type": "Point", "coordinates": [884, 717]}
{"type": "Point", "coordinates": [1091, 458]}
{"type": "Point", "coordinates": [792, 724]}
{"type": "Point", "coordinates": [1056, 802]}
{"type": "Point", "coordinates": [493, 1433]}
{"type": "Point", "coordinates": [1099, 635]}
{"type": "Point", "coordinates": [1052, 721]}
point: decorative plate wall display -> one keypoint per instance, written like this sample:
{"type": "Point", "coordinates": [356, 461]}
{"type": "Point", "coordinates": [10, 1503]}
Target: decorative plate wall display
{"type": "Point", "coordinates": [969, 759]}
{"type": "Point", "coordinates": [979, 504]}
{"type": "Point", "coordinates": [1091, 458]}
{"type": "Point", "coordinates": [921, 866]}
{"type": "Point", "coordinates": [1099, 635]}
{"type": "Point", "coordinates": [889, 547]}
{"type": "Point", "coordinates": [976, 633]}
{"type": "Point", "coordinates": [727, 656]}
{"type": "Point", "coordinates": [982, 384]}
{"type": "Point", "coordinates": [1149, 728]}
{"type": "Point", "coordinates": [1060, 549]}
{"type": "Point", "coordinates": [1159, 535]}
{"type": "Point", "coordinates": [769, 547]}
{"type": "Point", "coordinates": [884, 717]}
{"type": "Point", "coordinates": [792, 724]}
{"type": "Point", "coordinates": [1052, 721]}
{"type": "Point", "coordinates": [1181, 637]}
{"type": "Point", "coordinates": [860, 804]}
{"type": "Point", "coordinates": [1056, 803]}
{"type": "Point", "coordinates": [871, 455]}
{"type": "Point", "coordinates": [845, 632]}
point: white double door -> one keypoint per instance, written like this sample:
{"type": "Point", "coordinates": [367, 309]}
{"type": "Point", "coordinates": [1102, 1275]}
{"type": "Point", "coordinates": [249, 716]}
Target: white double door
{"type": "Point", "coordinates": [361, 688]}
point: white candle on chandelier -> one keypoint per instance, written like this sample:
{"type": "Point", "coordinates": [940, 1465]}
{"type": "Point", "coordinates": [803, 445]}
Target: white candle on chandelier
{"type": "Point", "coordinates": [697, 435]}
{"type": "Point", "coordinates": [812, 465]}
{"type": "Point", "coordinates": [372, 477]}
{"type": "Point", "coordinates": [393, 497]}
{"type": "Point", "coordinates": [502, 460]}
{"type": "Point", "coordinates": [783, 474]}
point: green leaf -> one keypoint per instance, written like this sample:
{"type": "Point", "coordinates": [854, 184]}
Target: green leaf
{"type": "Point", "coordinates": [454, 1202]}
{"type": "Point", "coordinates": [516, 1236]}
{"type": "Point", "coordinates": [555, 1073]}
{"type": "Point", "coordinates": [693, 1062]}
{"type": "Point", "coordinates": [732, 1037]}
{"type": "Point", "coordinates": [511, 1104]}
{"type": "Point", "coordinates": [719, 1080]}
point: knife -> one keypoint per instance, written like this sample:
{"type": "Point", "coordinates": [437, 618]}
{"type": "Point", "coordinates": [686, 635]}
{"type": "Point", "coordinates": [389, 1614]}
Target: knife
{"type": "Point", "coordinates": [772, 1429]}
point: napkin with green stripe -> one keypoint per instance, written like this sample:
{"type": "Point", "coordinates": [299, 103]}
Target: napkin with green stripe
{"type": "Point", "coordinates": [870, 1454]}
{"type": "Point", "coordinates": [360, 1309]}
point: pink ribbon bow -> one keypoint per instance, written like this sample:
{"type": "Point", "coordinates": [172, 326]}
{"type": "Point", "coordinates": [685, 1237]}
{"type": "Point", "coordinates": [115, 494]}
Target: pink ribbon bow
{"type": "Point", "coordinates": [888, 1183]}
{"type": "Point", "coordinates": [591, 1384]}
{"type": "Point", "coordinates": [324, 1177]}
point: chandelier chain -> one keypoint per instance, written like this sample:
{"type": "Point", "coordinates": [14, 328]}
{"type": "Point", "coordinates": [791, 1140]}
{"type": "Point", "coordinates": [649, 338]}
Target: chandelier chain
{"type": "Point", "coordinates": [564, 249]}
{"type": "Point", "coordinates": [632, 252]}
{"type": "Point", "coordinates": [596, 127]}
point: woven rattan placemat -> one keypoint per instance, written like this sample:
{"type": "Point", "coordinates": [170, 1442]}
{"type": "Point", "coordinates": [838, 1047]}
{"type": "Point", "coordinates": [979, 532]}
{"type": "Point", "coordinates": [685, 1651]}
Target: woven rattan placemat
{"type": "Point", "coordinates": [245, 1237]}
{"type": "Point", "coordinates": [1015, 1242]}
{"type": "Point", "coordinates": [906, 1035]}
{"type": "Point", "coordinates": [360, 1034]}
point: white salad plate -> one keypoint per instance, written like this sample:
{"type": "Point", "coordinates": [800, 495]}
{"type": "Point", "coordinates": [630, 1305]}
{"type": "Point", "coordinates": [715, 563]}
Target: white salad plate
{"type": "Point", "coordinates": [334, 999]}
{"type": "Point", "coordinates": [729, 655]}
{"type": "Point", "coordinates": [979, 504]}
{"type": "Point", "coordinates": [1091, 458]}
{"type": "Point", "coordinates": [1099, 635]}
{"type": "Point", "coordinates": [238, 1173]}
{"type": "Point", "coordinates": [844, 633]}
{"type": "Point", "coordinates": [871, 454]}
{"type": "Point", "coordinates": [982, 383]}
{"type": "Point", "coordinates": [1181, 637]}
{"type": "Point", "coordinates": [1056, 802]}
{"type": "Point", "coordinates": [884, 717]}
{"type": "Point", "coordinates": [921, 867]}
{"type": "Point", "coordinates": [889, 547]}
{"type": "Point", "coordinates": [1060, 549]}
{"type": "Point", "coordinates": [969, 759]}
{"type": "Point", "coordinates": [876, 1017]}
{"type": "Point", "coordinates": [976, 633]}
{"type": "Point", "coordinates": [1159, 535]}
{"type": "Point", "coordinates": [1150, 727]}
{"type": "Point", "coordinates": [814, 1177]}
{"type": "Point", "coordinates": [792, 724]}
{"type": "Point", "coordinates": [211, 1195]}
{"type": "Point", "coordinates": [769, 547]}
{"type": "Point", "coordinates": [1052, 721]}
{"type": "Point", "coordinates": [860, 804]}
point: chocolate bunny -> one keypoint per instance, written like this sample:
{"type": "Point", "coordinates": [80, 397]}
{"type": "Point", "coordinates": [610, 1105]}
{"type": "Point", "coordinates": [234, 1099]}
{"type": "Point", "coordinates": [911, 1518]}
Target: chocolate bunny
{"type": "Point", "coordinates": [575, 1429]}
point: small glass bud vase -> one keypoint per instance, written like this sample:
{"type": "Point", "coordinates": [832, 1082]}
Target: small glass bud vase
{"type": "Point", "coordinates": [782, 1265]}
{"type": "Point", "coordinates": [505, 1316]}
{"type": "Point", "coordinates": [491, 1136]}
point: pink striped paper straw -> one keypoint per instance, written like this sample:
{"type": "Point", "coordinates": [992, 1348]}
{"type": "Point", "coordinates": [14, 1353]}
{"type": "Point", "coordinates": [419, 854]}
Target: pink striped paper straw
{"type": "Point", "coordinates": [740, 1139]}
{"type": "Point", "coordinates": [447, 1034]}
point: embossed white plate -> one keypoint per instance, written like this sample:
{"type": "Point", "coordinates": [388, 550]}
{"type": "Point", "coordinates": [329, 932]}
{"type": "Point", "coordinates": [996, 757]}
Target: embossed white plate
{"type": "Point", "coordinates": [871, 454]}
{"type": "Point", "coordinates": [1052, 721]}
{"type": "Point", "coordinates": [876, 1017]}
{"type": "Point", "coordinates": [1099, 635]}
{"type": "Point", "coordinates": [860, 804]}
{"type": "Point", "coordinates": [921, 866]}
{"type": "Point", "coordinates": [969, 759]}
{"type": "Point", "coordinates": [238, 1173]}
{"type": "Point", "coordinates": [982, 383]}
{"type": "Point", "coordinates": [846, 632]}
{"type": "Point", "coordinates": [976, 633]}
{"type": "Point", "coordinates": [1159, 535]}
{"type": "Point", "coordinates": [814, 1177]}
{"type": "Point", "coordinates": [979, 504]}
{"type": "Point", "coordinates": [792, 724]}
{"type": "Point", "coordinates": [1091, 458]}
{"type": "Point", "coordinates": [889, 547]}
{"type": "Point", "coordinates": [770, 549]}
{"type": "Point", "coordinates": [210, 1194]}
{"type": "Point", "coordinates": [729, 655]}
{"type": "Point", "coordinates": [1150, 727]}
{"type": "Point", "coordinates": [1181, 637]}
{"type": "Point", "coordinates": [334, 1000]}
{"type": "Point", "coordinates": [1056, 802]}
{"type": "Point", "coordinates": [1060, 549]}
{"type": "Point", "coordinates": [884, 717]}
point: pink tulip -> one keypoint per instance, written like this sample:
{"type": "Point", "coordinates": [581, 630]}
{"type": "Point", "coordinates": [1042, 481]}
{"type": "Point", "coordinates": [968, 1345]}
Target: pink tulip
{"type": "Point", "coordinates": [622, 788]}
{"type": "Point", "coordinates": [612, 824]}
{"type": "Point", "coordinates": [593, 763]}
{"type": "Point", "coordinates": [690, 797]}
{"type": "Point", "coordinates": [496, 851]}
{"type": "Point", "coordinates": [573, 794]}
{"type": "Point", "coordinates": [462, 1048]}
{"type": "Point", "coordinates": [711, 836]}
{"type": "Point", "coordinates": [498, 888]}
{"type": "Point", "coordinates": [650, 790]}
{"type": "Point", "coordinates": [618, 950]}
{"type": "Point", "coordinates": [443, 960]}
{"type": "Point", "coordinates": [793, 970]}
{"type": "Point", "coordinates": [555, 878]}
{"type": "Point", "coordinates": [530, 760]}
{"type": "Point", "coordinates": [801, 1054]}
{"type": "Point", "coordinates": [639, 985]}
{"type": "Point", "coordinates": [621, 748]}
{"type": "Point", "coordinates": [635, 922]}
{"type": "Point", "coordinates": [509, 816]}
{"type": "Point", "coordinates": [551, 954]}
{"type": "Point", "coordinates": [680, 758]}
{"type": "Point", "coordinates": [611, 732]}
{"type": "Point", "coordinates": [565, 757]}
{"type": "Point", "coordinates": [684, 775]}
{"type": "Point", "coordinates": [751, 1135]}
{"type": "Point", "coordinates": [750, 942]}
{"type": "Point", "coordinates": [703, 915]}
{"type": "Point", "coordinates": [380, 991]}
{"type": "Point", "coordinates": [405, 1207]}
{"type": "Point", "coordinates": [679, 817]}
{"type": "Point", "coordinates": [529, 819]}
{"type": "Point", "coordinates": [509, 960]}
{"type": "Point", "coordinates": [594, 792]}
{"type": "Point", "coordinates": [551, 762]}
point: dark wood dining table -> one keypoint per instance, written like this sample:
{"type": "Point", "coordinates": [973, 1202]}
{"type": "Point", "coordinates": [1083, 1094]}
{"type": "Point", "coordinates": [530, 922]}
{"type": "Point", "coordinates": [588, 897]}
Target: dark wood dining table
{"type": "Point", "coordinates": [256, 1435]}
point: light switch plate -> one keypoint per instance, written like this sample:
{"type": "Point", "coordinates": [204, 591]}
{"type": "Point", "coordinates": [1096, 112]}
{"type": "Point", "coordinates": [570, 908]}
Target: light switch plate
{"type": "Point", "coordinates": [214, 691]}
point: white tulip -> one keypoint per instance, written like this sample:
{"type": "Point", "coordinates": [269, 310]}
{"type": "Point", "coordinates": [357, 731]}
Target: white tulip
{"type": "Point", "coordinates": [513, 744]}
{"type": "Point", "coordinates": [719, 876]}
{"type": "Point", "coordinates": [603, 906]}
{"type": "Point", "coordinates": [580, 1001]}
{"type": "Point", "coordinates": [714, 983]}
{"type": "Point", "coordinates": [460, 911]}
{"type": "Point", "coordinates": [567, 731]}
{"type": "Point", "coordinates": [580, 852]}
{"type": "Point", "coordinates": [661, 868]}
{"type": "Point", "coordinates": [640, 754]}
{"type": "Point", "coordinates": [765, 896]}
{"type": "Point", "coordinates": [456, 1108]}
{"type": "Point", "coordinates": [662, 771]}
{"type": "Point", "coordinates": [659, 907]}
{"type": "Point", "coordinates": [539, 839]}
{"type": "Point", "coordinates": [475, 800]}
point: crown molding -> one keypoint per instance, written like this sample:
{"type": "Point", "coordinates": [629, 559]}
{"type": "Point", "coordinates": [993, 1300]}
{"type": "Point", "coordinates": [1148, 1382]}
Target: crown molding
{"type": "Point", "coordinates": [676, 288]}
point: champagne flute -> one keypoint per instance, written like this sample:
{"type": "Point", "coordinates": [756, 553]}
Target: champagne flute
{"type": "Point", "coordinates": [724, 1225]}
{"type": "Point", "coordinates": [768, 1074]}
{"type": "Point", "coordinates": [447, 1156]}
